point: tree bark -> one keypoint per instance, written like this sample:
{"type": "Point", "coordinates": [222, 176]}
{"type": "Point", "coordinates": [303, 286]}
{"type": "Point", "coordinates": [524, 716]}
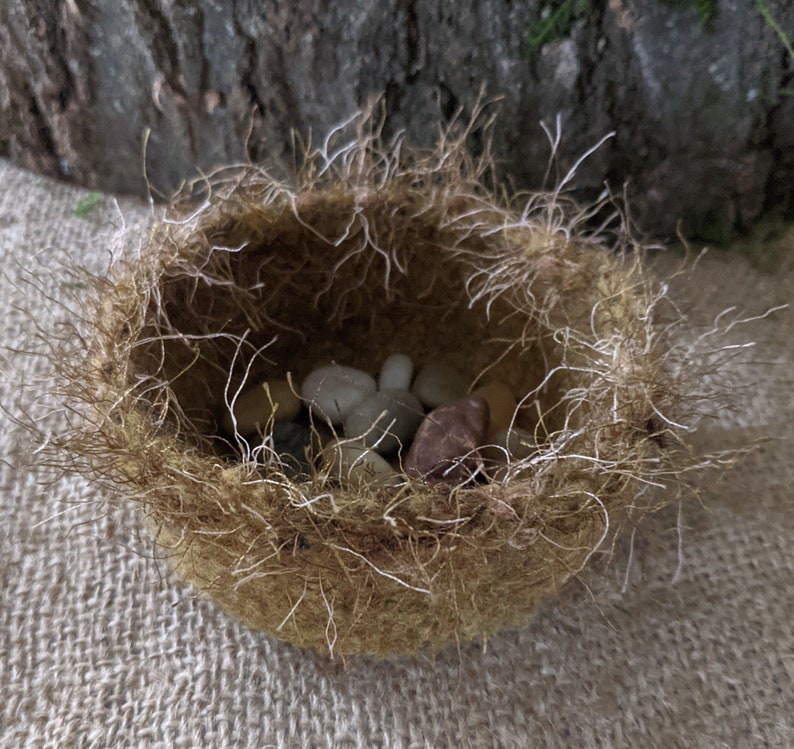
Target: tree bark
{"type": "Point", "coordinates": [704, 127]}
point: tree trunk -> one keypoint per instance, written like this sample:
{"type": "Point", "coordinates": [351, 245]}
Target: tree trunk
{"type": "Point", "coordinates": [703, 119]}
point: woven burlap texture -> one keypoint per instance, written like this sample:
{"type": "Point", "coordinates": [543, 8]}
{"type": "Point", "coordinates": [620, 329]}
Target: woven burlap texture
{"type": "Point", "coordinates": [684, 640]}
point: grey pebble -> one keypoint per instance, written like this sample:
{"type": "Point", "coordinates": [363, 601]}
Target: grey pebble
{"type": "Point", "coordinates": [386, 420]}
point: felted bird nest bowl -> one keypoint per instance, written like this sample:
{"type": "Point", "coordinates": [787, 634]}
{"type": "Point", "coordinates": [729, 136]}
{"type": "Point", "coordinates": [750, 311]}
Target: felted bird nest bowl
{"type": "Point", "coordinates": [371, 251]}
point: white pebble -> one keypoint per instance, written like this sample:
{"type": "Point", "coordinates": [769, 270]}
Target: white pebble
{"type": "Point", "coordinates": [355, 464]}
{"type": "Point", "coordinates": [386, 420]}
{"type": "Point", "coordinates": [334, 390]}
{"type": "Point", "coordinates": [438, 384]}
{"type": "Point", "coordinates": [396, 373]}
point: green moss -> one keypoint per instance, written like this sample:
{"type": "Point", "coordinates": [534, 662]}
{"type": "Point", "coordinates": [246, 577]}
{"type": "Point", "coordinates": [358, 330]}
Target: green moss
{"type": "Point", "coordinates": [763, 9]}
{"type": "Point", "coordinates": [770, 227]}
{"type": "Point", "coordinates": [706, 9]}
{"type": "Point", "coordinates": [775, 26]}
{"type": "Point", "coordinates": [557, 17]}
{"type": "Point", "coordinates": [87, 203]}
{"type": "Point", "coordinates": [556, 20]}
{"type": "Point", "coordinates": [769, 246]}
{"type": "Point", "coordinates": [715, 228]}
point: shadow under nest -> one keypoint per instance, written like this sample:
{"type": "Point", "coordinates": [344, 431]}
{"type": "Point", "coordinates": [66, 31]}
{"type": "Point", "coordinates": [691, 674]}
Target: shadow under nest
{"type": "Point", "coordinates": [265, 280]}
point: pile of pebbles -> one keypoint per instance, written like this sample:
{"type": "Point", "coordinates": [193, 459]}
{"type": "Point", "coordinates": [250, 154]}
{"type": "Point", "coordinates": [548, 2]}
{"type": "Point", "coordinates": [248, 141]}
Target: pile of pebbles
{"type": "Point", "coordinates": [428, 427]}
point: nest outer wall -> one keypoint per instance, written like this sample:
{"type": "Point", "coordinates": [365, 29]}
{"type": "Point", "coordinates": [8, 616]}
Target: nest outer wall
{"type": "Point", "coordinates": [372, 250]}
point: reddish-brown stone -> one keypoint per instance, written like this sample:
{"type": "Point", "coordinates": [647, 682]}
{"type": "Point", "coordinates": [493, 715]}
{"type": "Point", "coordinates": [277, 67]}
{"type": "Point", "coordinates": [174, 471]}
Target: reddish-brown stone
{"type": "Point", "coordinates": [444, 449]}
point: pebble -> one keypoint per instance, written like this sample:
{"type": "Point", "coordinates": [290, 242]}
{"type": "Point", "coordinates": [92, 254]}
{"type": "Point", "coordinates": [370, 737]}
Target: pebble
{"type": "Point", "coordinates": [513, 444]}
{"type": "Point", "coordinates": [396, 373]}
{"type": "Point", "coordinates": [502, 404]}
{"type": "Point", "coordinates": [386, 420]}
{"type": "Point", "coordinates": [438, 384]}
{"type": "Point", "coordinates": [356, 464]}
{"type": "Point", "coordinates": [333, 391]}
{"type": "Point", "coordinates": [444, 449]}
{"type": "Point", "coordinates": [255, 408]}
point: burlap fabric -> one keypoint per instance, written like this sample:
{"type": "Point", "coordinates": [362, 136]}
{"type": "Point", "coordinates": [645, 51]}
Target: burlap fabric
{"type": "Point", "coordinates": [685, 639]}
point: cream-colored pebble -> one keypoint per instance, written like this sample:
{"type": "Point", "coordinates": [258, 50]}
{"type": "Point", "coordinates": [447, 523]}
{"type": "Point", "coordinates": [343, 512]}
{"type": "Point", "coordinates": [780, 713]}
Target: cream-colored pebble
{"type": "Point", "coordinates": [332, 391]}
{"type": "Point", "coordinates": [255, 408]}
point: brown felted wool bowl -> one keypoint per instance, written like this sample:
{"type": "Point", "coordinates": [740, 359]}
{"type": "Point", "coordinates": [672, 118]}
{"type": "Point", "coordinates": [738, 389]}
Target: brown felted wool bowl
{"type": "Point", "coordinates": [373, 251]}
